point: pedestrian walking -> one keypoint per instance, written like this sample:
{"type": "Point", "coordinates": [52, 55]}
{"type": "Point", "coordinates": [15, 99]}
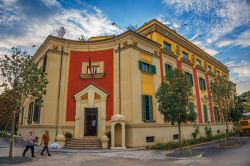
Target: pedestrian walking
{"type": "Point", "coordinates": [29, 144]}
{"type": "Point", "coordinates": [45, 141]}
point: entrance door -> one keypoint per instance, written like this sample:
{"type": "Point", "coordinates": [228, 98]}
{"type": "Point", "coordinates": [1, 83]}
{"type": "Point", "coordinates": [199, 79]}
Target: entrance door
{"type": "Point", "coordinates": [90, 122]}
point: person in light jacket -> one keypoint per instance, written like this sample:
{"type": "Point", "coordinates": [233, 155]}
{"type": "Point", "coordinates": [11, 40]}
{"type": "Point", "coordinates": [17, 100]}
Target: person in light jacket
{"type": "Point", "coordinates": [29, 144]}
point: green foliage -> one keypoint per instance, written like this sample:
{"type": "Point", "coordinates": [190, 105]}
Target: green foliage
{"type": "Point", "coordinates": [223, 94]}
{"type": "Point", "coordinates": [196, 132]}
{"type": "Point", "coordinates": [237, 109]}
{"type": "Point", "coordinates": [68, 135]}
{"type": "Point", "coordinates": [208, 131]}
{"type": "Point", "coordinates": [172, 97]}
{"type": "Point", "coordinates": [246, 100]}
{"type": "Point", "coordinates": [23, 77]}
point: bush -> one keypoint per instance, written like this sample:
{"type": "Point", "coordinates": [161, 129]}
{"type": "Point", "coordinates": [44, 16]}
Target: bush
{"type": "Point", "coordinates": [196, 132]}
{"type": "Point", "coordinates": [208, 131]}
{"type": "Point", "coordinates": [68, 135]}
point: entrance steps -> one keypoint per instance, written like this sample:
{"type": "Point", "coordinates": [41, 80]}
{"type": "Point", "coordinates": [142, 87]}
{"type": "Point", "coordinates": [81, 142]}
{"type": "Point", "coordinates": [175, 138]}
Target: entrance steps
{"type": "Point", "coordinates": [83, 143]}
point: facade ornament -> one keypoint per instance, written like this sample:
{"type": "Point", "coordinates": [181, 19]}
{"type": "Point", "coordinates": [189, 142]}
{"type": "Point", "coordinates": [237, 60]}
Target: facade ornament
{"type": "Point", "coordinates": [178, 50]}
{"type": "Point", "coordinates": [55, 47]}
{"type": "Point", "coordinates": [135, 43]}
{"type": "Point", "coordinates": [125, 43]}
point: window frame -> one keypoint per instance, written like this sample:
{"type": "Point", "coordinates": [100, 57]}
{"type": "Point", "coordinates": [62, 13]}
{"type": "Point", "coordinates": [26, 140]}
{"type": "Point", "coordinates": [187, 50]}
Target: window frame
{"type": "Point", "coordinates": [169, 46]}
{"type": "Point", "coordinates": [147, 108]}
{"type": "Point", "coordinates": [150, 69]}
{"type": "Point", "coordinates": [184, 55]}
{"type": "Point", "coordinates": [198, 62]}
{"type": "Point", "coordinates": [168, 71]}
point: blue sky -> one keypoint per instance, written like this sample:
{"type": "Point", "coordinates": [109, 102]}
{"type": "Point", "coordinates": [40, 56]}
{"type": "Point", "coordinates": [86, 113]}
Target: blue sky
{"type": "Point", "coordinates": [223, 25]}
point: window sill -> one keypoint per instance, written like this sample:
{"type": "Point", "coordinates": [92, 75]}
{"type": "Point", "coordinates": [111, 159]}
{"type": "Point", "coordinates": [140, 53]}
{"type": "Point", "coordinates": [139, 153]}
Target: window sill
{"type": "Point", "coordinates": [89, 76]}
{"type": "Point", "coordinates": [149, 121]}
{"type": "Point", "coordinates": [144, 72]}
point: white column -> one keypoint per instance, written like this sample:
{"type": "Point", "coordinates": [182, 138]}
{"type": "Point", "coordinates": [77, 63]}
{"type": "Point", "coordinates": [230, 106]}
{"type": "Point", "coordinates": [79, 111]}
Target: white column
{"type": "Point", "coordinates": [77, 117]}
{"type": "Point", "coordinates": [102, 125]}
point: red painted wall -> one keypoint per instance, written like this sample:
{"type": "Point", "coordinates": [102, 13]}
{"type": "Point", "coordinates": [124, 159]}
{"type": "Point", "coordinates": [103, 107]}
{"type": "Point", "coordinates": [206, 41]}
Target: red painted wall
{"type": "Point", "coordinates": [76, 84]}
{"type": "Point", "coordinates": [197, 92]}
{"type": "Point", "coordinates": [209, 98]}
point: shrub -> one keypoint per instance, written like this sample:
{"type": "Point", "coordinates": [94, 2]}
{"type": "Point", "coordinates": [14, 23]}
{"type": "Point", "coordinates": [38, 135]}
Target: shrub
{"type": "Point", "coordinates": [68, 135]}
{"type": "Point", "coordinates": [208, 131]}
{"type": "Point", "coordinates": [196, 132]}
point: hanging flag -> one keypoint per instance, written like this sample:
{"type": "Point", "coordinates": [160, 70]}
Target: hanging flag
{"type": "Point", "coordinates": [90, 67]}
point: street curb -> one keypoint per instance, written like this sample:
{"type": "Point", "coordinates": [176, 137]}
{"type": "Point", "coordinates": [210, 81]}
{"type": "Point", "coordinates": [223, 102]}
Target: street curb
{"type": "Point", "coordinates": [204, 143]}
{"type": "Point", "coordinates": [184, 158]}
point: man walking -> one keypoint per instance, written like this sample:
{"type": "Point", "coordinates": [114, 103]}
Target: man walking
{"type": "Point", "coordinates": [29, 144]}
{"type": "Point", "coordinates": [45, 141]}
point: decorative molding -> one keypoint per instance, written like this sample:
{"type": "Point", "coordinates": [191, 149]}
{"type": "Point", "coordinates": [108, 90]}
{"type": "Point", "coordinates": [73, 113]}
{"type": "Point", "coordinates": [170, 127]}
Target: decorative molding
{"type": "Point", "coordinates": [89, 76]}
{"type": "Point", "coordinates": [184, 43]}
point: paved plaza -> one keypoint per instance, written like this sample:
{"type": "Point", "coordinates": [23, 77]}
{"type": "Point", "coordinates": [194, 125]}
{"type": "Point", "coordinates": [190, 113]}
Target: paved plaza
{"type": "Point", "coordinates": [212, 154]}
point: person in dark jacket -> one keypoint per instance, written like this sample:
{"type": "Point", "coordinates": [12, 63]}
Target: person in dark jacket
{"type": "Point", "coordinates": [45, 140]}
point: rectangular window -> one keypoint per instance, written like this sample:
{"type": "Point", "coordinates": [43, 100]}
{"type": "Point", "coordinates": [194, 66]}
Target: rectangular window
{"type": "Point", "coordinates": [198, 62]}
{"type": "Point", "coordinates": [184, 55]}
{"type": "Point", "coordinates": [30, 112]}
{"type": "Point", "coordinates": [93, 69]}
{"type": "Point", "coordinates": [36, 112]}
{"type": "Point", "coordinates": [191, 107]}
{"type": "Point", "coordinates": [209, 68]}
{"type": "Point", "coordinates": [189, 78]}
{"type": "Point", "coordinates": [168, 71]}
{"type": "Point", "coordinates": [202, 84]}
{"type": "Point", "coordinates": [218, 73]}
{"type": "Point", "coordinates": [44, 63]}
{"type": "Point", "coordinates": [167, 46]}
{"type": "Point", "coordinates": [147, 108]}
{"type": "Point", "coordinates": [147, 68]}
{"type": "Point", "coordinates": [205, 113]}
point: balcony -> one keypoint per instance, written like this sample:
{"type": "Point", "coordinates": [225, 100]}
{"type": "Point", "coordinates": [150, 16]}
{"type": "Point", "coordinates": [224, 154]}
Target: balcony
{"type": "Point", "coordinates": [92, 76]}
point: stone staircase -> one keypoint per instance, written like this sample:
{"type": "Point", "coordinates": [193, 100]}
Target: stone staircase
{"type": "Point", "coordinates": [84, 143]}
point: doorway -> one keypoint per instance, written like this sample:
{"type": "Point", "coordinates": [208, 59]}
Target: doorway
{"type": "Point", "coordinates": [90, 122]}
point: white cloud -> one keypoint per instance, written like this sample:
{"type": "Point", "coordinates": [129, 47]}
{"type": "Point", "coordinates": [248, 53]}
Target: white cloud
{"type": "Point", "coordinates": [242, 40]}
{"type": "Point", "coordinates": [163, 20]}
{"type": "Point", "coordinates": [215, 18]}
{"type": "Point", "coordinates": [240, 74]}
{"type": "Point", "coordinates": [51, 3]}
{"type": "Point", "coordinates": [87, 22]}
{"type": "Point", "coordinates": [206, 48]}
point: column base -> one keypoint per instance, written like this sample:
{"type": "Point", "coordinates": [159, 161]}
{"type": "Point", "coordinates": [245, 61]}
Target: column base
{"type": "Point", "coordinates": [118, 148]}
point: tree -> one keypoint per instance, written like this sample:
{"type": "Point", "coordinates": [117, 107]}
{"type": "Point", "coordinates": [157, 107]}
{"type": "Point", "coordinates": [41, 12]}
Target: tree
{"type": "Point", "coordinates": [5, 113]}
{"type": "Point", "coordinates": [236, 112]}
{"type": "Point", "coordinates": [222, 94]}
{"type": "Point", "coordinates": [82, 38]}
{"type": "Point", "coordinates": [246, 99]}
{"type": "Point", "coordinates": [172, 97]}
{"type": "Point", "coordinates": [23, 80]}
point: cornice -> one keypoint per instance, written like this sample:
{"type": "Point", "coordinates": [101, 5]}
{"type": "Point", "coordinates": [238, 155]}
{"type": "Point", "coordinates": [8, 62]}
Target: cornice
{"type": "Point", "coordinates": [170, 53]}
{"type": "Point", "coordinates": [111, 41]}
{"type": "Point", "coordinates": [139, 49]}
{"type": "Point", "coordinates": [167, 32]}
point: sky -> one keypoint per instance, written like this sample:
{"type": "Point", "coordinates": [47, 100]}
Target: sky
{"type": "Point", "coordinates": [220, 27]}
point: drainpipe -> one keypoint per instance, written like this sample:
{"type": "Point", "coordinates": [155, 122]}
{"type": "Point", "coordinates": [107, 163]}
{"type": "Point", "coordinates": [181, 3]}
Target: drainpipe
{"type": "Point", "coordinates": [59, 91]}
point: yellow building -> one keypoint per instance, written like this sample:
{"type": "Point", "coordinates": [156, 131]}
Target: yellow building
{"type": "Point", "coordinates": [90, 82]}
